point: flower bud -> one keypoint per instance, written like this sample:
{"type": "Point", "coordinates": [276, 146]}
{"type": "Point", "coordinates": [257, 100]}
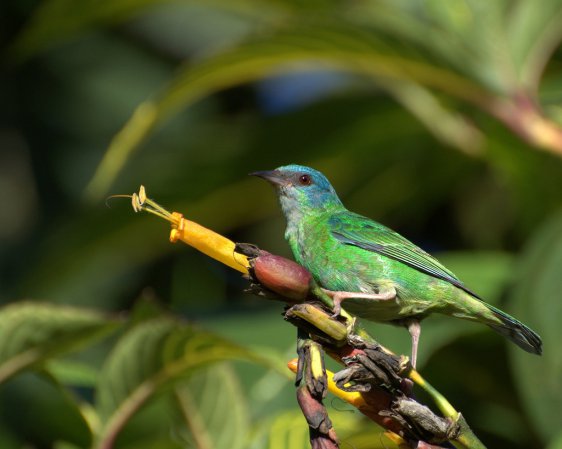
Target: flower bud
{"type": "Point", "coordinates": [322, 434]}
{"type": "Point", "coordinates": [282, 276]}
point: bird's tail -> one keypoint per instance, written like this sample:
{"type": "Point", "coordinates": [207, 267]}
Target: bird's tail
{"type": "Point", "coordinates": [516, 331]}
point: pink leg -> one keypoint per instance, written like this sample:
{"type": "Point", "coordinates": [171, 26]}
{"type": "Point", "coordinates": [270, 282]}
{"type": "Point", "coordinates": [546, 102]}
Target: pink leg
{"type": "Point", "coordinates": [338, 296]}
{"type": "Point", "coordinates": [414, 328]}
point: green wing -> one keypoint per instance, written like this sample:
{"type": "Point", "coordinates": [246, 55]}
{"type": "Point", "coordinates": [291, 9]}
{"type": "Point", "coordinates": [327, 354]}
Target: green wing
{"type": "Point", "coordinates": [356, 230]}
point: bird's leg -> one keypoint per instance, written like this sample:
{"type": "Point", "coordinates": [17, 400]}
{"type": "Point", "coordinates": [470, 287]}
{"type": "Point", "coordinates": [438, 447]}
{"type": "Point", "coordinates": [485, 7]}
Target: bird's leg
{"type": "Point", "coordinates": [386, 293]}
{"type": "Point", "coordinates": [414, 328]}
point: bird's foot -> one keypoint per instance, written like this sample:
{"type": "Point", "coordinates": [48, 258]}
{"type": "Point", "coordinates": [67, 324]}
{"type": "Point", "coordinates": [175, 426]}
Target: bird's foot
{"type": "Point", "coordinates": [414, 329]}
{"type": "Point", "coordinates": [386, 294]}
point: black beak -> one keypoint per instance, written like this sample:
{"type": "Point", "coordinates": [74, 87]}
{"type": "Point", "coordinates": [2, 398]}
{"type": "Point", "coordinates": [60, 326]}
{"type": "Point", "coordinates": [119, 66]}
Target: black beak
{"type": "Point", "coordinates": [272, 176]}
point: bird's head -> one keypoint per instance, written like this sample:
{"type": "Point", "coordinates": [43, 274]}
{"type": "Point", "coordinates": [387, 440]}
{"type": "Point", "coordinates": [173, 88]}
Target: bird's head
{"type": "Point", "coordinates": [301, 190]}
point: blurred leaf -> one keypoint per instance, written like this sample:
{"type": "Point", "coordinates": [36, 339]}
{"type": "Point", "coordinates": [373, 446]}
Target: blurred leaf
{"type": "Point", "coordinates": [556, 442]}
{"type": "Point", "coordinates": [338, 47]}
{"type": "Point", "coordinates": [372, 440]}
{"type": "Point", "coordinates": [65, 445]}
{"type": "Point", "coordinates": [536, 299]}
{"type": "Point", "coordinates": [39, 412]}
{"type": "Point", "coordinates": [150, 358]}
{"type": "Point", "coordinates": [7, 439]}
{"type": "Point", "coordinates": [534, 33]}
{"type": "Point", "coordinates": [289, 430]}
{"type": "Point", "coordinates": [31, 332]}
{"type": "Point", "coordinates": [72, 373]}
{"type": "Point", "coordinates": [214, 410]}
{"type": "Point", "coordinates": [449, 127]}
{"type": "Point", "coordinates": [286, 430]}
{"type": "Point", "coordinates": [56, 20]}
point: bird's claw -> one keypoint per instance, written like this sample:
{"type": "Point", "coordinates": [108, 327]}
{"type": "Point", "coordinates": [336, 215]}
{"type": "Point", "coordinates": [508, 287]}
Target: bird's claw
{"type": "Point", "coordinates": [336, 311]}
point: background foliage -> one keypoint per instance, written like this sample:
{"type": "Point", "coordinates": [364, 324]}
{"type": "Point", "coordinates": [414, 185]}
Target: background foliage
{"type": "Point", "coordinates": [439, 119]}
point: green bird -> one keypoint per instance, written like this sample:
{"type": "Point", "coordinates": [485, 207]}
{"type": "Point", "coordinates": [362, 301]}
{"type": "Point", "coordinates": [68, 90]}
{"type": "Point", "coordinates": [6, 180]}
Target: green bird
{"type": "Point", "coordinates": [381, 275]}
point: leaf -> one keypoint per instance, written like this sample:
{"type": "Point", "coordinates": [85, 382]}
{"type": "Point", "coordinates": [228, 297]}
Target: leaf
{"type": "Point", "coordinates": [213, 409]}
{"type": "Point", "coordinates": [57, 20]}
{"type": "Point", "coordinates": [533, 34]}
{"type": "Point", "coordinates": [151, 358]}
{"type": "Point", "coordinates": [286, 430]}
{"type": "Point", "coordinates": [31, 333]}
{"type": "Point", "coordinates": [449, 127]}
{"type": "Point", "coordinates": [73, 373]}
{"type": "Point", "coordinates": [289, 430]}
{"type": "Point", "coordinates": [339, 47]}
{"type": "Point", "coordinates": [556, 443]}
{"type": "Point", "coordinates": [40, 412]}
{"type": "Point", "coordinates": [536, 301]}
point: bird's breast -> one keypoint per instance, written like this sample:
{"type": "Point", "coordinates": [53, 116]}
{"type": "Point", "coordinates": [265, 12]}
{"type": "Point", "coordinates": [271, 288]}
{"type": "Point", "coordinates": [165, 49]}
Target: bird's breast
{"type": "Point", "coordinates": [334, 266]}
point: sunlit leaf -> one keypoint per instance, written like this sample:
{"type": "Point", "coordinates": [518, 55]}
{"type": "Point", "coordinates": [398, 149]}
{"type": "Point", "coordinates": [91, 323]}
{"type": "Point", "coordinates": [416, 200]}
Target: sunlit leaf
{"type": "Point", "coordinates": [449, 127]}
{"type": "Point", "coordinates": [536, 299]}
{"type": "Point", "coordinates": [534, 33]}
{"type": "Point", "coordinates": [556, 442]}
{"type": "Point", "coordinates": [72, 373]}
{"type": "Point", "coordinates": [30, 333]}
{"type": "Point", "coordinates": [289, 430]}
{"type": "Point", "coordinates": [283, 431]}
{"type": "Point", "coordinates": [213, 410]}
{"type": "Point", "coordinates": [150, 358]}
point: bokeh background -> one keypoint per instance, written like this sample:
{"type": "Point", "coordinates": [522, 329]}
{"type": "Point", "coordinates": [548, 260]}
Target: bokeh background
{"type": "Point", "coordinates": [439, 119]}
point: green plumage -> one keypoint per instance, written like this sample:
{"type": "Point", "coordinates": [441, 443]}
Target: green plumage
{"type": "Point", "coordinates": [347, 252]}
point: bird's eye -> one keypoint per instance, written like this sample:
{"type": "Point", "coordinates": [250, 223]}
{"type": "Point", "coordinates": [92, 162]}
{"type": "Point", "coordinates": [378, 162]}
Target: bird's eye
{"type": "Point", "coordinates": [305, 180]}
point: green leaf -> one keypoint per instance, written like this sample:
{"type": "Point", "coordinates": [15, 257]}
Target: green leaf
{"type": "Point", "coordinates": [533, 34]}
{"type": "Point", "coordinates": [39, 412]}
{"type": "Point", "coordinates": [449, 127]}
{"type": "Point", "coordinates": [31, 333]}
{"type": "Point", "coordinates": [213, 409]}
{"type": "Point", "coordinates": [65, 445]}
{"type": "Point", "coordinates": [537, 302]}
{"type": "Point", "coordinates": [289, 430]}
{"type": "Point", "coordinates": [73, 373]}
{"type": "Point", "coordinates": [286, 430]}
{"type": "Point", "coordinates": [57, 20]}
{"type": "Point", "coordinates": [332, 46]}
{"type": "Point", "coordinates": [152, 357]}
{"type": "Point", "coordinates": [556, 443]}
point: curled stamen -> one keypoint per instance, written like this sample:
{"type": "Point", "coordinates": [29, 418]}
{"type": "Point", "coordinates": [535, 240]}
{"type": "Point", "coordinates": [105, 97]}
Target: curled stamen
{"type": "Point", "coordinates": [140, 203]}
{"type": "Point", "coordinates": [116, 196]}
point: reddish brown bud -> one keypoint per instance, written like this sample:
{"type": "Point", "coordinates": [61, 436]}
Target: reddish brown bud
{"type": "Point", "coordinates": [281, 275]}
{"type": "Point", "coordinates": [322, 434]}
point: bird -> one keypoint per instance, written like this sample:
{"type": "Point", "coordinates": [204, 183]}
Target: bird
{"type": "Point", "coordinates": [381, 276]}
